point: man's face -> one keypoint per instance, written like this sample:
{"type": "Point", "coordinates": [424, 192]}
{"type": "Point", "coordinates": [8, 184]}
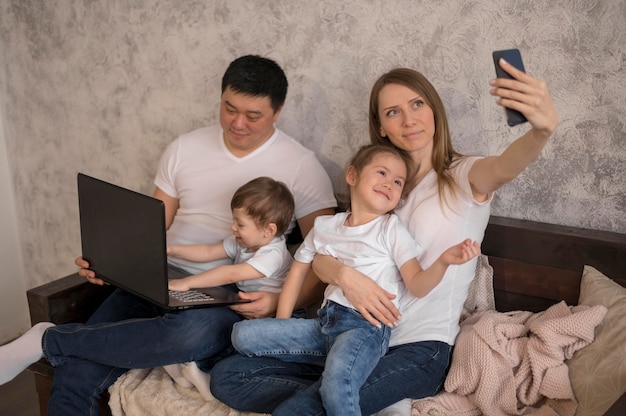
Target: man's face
{"type": "Point", "coordinates": [247, 121]}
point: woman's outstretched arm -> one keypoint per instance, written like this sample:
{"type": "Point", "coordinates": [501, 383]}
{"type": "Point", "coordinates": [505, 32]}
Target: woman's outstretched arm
{"type": "Point", "coordinates": [529, 96]}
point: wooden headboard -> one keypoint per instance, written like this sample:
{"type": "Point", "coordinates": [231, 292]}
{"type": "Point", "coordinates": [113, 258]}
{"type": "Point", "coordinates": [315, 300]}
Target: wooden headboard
{"type": "Point", "coordinates": [537, 264]}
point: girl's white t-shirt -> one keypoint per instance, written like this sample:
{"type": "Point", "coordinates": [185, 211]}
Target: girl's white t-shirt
{"type": "Point", "coordinates": [377, 249]}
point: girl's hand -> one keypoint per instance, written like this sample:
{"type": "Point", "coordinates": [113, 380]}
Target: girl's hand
{"type": "Point", "coordinates": [461, 253]}
{"type": "Point", "coordinates": [527, 95]}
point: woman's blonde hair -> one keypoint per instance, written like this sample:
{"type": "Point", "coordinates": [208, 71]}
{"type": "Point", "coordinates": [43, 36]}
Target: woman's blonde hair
{"type": "Point", "coordinates": [443, 155]}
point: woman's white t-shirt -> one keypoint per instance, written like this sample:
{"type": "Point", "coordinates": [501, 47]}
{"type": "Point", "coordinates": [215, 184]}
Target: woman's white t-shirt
{"type": "Point", "coordinates": [436, 227]}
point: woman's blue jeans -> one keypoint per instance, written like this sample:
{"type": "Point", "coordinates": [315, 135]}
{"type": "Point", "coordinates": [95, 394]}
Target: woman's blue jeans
{"type": "Point", "coordinates": [127, 332]}
{"type": "Point", "coordinates": [341, 339]}
{"type": "Point", "coordinates": [270, 385]}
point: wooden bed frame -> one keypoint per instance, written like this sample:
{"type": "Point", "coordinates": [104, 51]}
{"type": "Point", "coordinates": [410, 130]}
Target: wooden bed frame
{"type": "Point", "coordinates": [535, 265]}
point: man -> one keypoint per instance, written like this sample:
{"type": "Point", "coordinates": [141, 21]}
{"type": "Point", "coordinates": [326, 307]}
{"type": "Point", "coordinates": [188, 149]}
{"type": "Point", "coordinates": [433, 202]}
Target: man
{"type": "Point", "coordinates": [196, 178]}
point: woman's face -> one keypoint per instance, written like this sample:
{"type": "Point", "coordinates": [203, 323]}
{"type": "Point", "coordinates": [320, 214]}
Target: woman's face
{"type": "Point", "coordinates": [406, 119]}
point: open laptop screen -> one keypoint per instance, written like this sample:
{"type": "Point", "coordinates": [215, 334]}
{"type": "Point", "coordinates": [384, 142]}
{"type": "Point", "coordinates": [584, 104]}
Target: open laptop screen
{"type": "Point", "coordinates": [123, 237]}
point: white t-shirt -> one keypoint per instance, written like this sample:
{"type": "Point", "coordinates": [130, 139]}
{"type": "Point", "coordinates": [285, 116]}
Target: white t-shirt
{"type": "Point", "coordinates": [203, 174]}
{"type": "Point", "coordinates": [435, 317]}
{"type": "Point", "coordinates": [377, 249]}
{"type": "Point", "coordinates": [273, 260]}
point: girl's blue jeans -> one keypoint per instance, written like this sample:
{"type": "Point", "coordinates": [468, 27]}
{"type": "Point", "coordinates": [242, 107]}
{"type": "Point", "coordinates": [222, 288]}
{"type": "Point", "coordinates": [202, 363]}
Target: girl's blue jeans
{"type": "Point", "coordinates": [346, 344]}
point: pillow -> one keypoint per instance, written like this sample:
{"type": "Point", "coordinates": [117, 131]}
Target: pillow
{"type": "Point", "coordinates": [598, 371]}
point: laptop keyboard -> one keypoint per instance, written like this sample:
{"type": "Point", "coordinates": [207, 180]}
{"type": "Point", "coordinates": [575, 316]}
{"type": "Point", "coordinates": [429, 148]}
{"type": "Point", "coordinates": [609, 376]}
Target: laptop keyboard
{"type": "Point", "coordinates": [190, 296]}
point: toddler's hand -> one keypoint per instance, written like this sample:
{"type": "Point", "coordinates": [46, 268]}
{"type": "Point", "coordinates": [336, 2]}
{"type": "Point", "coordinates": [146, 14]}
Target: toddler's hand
{"type": "Point", "coordinates": [178, 285]}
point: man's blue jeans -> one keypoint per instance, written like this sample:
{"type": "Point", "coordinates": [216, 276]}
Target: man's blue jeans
{"type": "Point", "coordinates": [127, 332]}
{"type": "Point", "coordinates": [269, 385]}
{"type": "Point", "coordinates": [341, 338]}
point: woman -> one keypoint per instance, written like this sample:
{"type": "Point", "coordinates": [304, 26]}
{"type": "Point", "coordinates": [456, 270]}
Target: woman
{"type": "Point", "coordinates": [450, 202]}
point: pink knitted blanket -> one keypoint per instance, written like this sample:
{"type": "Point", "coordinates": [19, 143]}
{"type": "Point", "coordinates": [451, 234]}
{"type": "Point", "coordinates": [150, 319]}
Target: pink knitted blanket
{"type": "Point", "coordinates": [514, 363]}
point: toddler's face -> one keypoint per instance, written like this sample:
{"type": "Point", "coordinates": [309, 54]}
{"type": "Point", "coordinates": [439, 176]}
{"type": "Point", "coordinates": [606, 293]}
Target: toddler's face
{"type": "Point", "coordinates": [247, 233]}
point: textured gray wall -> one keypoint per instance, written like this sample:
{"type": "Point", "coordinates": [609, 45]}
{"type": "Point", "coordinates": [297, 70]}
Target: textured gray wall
{"type": "Point", "coordinates": [103, 86]}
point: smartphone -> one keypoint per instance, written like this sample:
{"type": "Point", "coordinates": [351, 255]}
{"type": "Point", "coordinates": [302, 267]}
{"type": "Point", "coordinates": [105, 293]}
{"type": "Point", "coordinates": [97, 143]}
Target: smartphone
{"type": "Point", "coordinates": [512, 56]}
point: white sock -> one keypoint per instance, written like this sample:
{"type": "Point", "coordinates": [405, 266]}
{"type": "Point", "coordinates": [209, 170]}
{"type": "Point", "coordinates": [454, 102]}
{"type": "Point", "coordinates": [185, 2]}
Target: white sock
{"type": "Point", "coordinates": [199, 378]}
{"type": "Point", "coordinates": [174, 370]}
{"type": "Point", "coordinates": [17, 355]}
{"type": "Point", "coordinates": [401, 408]}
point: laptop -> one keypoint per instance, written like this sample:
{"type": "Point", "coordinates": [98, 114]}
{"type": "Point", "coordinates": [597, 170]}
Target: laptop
{"type": "Point", "coordinates": [123, 239]}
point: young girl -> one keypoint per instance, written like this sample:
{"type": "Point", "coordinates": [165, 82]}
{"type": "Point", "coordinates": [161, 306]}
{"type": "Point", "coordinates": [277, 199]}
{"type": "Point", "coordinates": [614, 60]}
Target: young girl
{"type": "Point", "coordinates": [372, 240]}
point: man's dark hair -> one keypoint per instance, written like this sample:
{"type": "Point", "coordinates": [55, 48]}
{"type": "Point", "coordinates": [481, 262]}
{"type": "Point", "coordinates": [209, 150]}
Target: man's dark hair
{"type": "Point", "coordinates": [258, 77]}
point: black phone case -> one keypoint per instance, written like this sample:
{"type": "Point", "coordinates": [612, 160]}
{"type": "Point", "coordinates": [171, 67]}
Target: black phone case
{"type": "Point", "coordinates": [513, 57]}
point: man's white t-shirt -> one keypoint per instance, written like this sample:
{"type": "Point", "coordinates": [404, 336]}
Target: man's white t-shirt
{"type": "Point", "coordinates": [435, 317]}
{"type": "Point", "coordinates": [203, 174]}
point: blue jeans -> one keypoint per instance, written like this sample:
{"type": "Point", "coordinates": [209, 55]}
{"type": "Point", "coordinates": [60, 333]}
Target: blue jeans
{"type": "Point", "coordinates": [341, 338]}
{"type": "Point", "coordinates": [269, 385]}
{"type": "Point", "coordinates": [127, 332]}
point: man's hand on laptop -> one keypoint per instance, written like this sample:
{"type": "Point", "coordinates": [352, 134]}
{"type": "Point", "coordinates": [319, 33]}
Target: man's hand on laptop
{"type": "Point", "coordinates": [261, 305]}
{"type": "Point", "coordinates": [90, 275]}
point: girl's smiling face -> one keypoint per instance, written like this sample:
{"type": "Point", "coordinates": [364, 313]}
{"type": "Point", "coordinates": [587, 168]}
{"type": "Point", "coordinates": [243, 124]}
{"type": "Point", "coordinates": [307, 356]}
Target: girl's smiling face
{"type": "Point", "coordinates": [377, 188]}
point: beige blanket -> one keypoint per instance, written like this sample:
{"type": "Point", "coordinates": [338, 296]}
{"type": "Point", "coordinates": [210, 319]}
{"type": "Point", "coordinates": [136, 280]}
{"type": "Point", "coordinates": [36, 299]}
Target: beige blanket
{"type": "Point", "coordinates": [153, 392]}
{"type": "Point", "coordinates": [514, 363]}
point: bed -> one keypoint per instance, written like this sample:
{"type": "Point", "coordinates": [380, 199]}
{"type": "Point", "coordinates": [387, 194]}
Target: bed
{"type": "Point", "coordinates": [536, 267]}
